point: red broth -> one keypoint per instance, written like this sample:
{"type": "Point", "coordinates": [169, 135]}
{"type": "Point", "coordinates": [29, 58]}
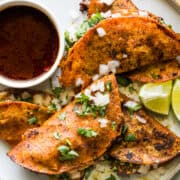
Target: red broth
{"type": "Point", "coordinates": [29, 43]}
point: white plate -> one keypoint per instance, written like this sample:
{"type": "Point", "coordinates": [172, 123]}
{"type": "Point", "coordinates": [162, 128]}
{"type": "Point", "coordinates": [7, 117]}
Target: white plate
{"type": "Point", "coordinates": [62, 8]}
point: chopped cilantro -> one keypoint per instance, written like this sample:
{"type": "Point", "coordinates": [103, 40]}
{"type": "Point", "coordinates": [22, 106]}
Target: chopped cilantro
{"type": "Point", "coordinates": [88, 107]}
{"type": "Point", "coordinates": [113, 125]}
{"type": "Point", "coordinates": [108, 86]}
{"type": "Point", "coordinates": [131, 89]}
{"type": "Point", "coordinates": [52, 107]}
{"type": "Point", "coordinates": [132, 106]}
{"type": "Point", "coordinates": [67, 153]}
{"type": "Point", "coordinates": [124, 129]}
{"type": "Point", "coordinates": [155, 76]}
{"type": "Point", "coordinates": [123, 81]}
{"type": "Point", "coordinates": [87, 132]}
{"type": "Point", "coordinates": [130, 138]}
{"type": "Point", "coordinates": [56, 135]}
{"type": "Point", "coordinates": [68, 142]}
{"type": "Point", "coordinates": [84, 27]}
{"type": "Point", "coordinates": [32, 120]}
{"type": "Point", "coordinates": [112, 177]}
{"type": "Point", "coordinates": [56, 91]}
{"type": "Point", "coordinates": [87, 24]}
{"type": "Point", "coordinates": [88, 172]}
{"type": "Point", "coordinates": [62, 116]}
{"type": "Point", "coordinates": [82, 99]}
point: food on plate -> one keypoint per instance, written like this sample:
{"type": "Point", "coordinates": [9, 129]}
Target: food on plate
{"type": "Point", "coordinates": [158, 72]}
{"type": "Point", "coordinates": [76, 136]}
{"type": "Point", "coordinates": [29, 43]}
{"type": "Point", "coordinates": [176, 98]}
{"type": "Point", "coordinates": [144, 140]}
{"type": "Point", "coordinates": [157, 96]}
{"type": "Point", "coordinates": [16, 117]}
{"type": "Point", "coordinates": [118, 45]}
{"type": "Point", "coordinates": [117, 6]}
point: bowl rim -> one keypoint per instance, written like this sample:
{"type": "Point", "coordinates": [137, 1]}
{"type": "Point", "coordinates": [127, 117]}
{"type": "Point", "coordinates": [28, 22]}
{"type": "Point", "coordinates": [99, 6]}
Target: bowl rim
{"type": "Point", "coordinates": [43, 77]}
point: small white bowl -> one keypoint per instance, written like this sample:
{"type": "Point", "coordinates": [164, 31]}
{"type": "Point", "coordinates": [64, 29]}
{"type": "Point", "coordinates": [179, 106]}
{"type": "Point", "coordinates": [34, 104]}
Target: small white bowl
{"type": "Point", "coordinates": [39, 79]}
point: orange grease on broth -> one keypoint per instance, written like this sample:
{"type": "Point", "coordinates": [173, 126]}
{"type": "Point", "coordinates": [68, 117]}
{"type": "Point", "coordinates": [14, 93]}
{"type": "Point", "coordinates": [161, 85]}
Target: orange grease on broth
{"type": "Point", "coordinates": [29, 43]}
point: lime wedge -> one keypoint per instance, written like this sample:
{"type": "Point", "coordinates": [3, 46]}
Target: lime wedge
{"type": "Point", "coordinates": [176, 98]}
{"type": "Point", "coordinates": [157, 96]}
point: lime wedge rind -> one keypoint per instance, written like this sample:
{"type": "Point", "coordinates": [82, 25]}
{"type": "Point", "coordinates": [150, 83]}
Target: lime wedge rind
{"type": "Point", "coordinates": [176, 99]}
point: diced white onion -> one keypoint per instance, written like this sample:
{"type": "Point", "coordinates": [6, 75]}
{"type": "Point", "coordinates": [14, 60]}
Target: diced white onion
{"type": "Point", "coordinates": [141, 120]}
{"type": "Point", "coordinates": [113, 65]}
{"type": "Point", "coordinates": [38, 99]}
{"type": "Point", "coordinates": [103, 69]}
{"type": "Point", "coordinates": [143, 169]}
{"type": "Point", "coordinates": [79, 82]}
{"type": "Point", "coordinates": [103, 122]}
{"type": "Point", "coordinates": [72, 33]}
{"type": "Point", "coordinates": [101, 99]}
{"type": "Point", "coordinates": [106, 14]}
{"type": "Point", "coordinates": [87, 92]}
{"type": "Point", "coordinates": [125, 56]}
{"type": "Point", "coordinates": [116, 15]}
{"type": "Point", "coordinates": [96, 77]}
{"type": "Point", "coordinates": [101, 32]}
{"type": "Point", "coordinates": [99, 86]}
{"type": "Point", "coordinates": [130, 104]}
{"type": "Point", "coordinates": [56, 102]}
{"type": "Point", "coordinates": [108, 2]}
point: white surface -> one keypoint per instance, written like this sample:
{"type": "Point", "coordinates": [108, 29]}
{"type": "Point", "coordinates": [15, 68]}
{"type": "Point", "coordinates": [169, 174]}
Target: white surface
{"type": "Point", "coordinates": [61, 8]}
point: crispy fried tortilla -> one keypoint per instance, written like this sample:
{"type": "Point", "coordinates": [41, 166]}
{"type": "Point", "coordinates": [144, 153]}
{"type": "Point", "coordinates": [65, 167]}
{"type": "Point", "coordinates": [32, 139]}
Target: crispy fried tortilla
{"type": "Point", "coordinates": [157, 73]}
{"type": "Point", "coordinates": [14, 119]}
{"type": "Point", "coordinates": [133, 41]}
{"type": "Point", "coordinates": [153, 143]}
{"type": "Point", "coordinates": [39, 149]}
{"type": "Point", "coordinates": [118, 6]}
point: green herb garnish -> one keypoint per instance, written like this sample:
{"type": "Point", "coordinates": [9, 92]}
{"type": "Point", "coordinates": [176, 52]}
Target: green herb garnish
{"type": "Point", "coordinates": [124, 129]}
{"type": "Point", "coordinates": [130, 138]}
{"type": "Point", "coordinates": [69, 40]}
{"type": "Point", "coordinates": [51, 108]}
{"type": "Point", "coordinates": [88, 172]}
{"type": "Point", "coordinates": [88, 107]}
{"type": "Point", "coordinates": [123, 81]}
{"type": "Point", "coordinates": [84, 27]}
{"type": "Point", "coordinates": [155, 76]}
{"type": "Point", "coordinates": [108, 86]}
{"type": "Point", "coordinates": [87, 132]}
{"type": "Point", "coordinates": [87, 24]}
{"type": "Point", "coordinates": [67, 153]}
{"type": "Point", "coordinates": [132, 106]}
{"type": "Point", "coordinates": [56, 135]}
{"type": "Point", "coordinates": [131, 89]}
{"type": "Point", "coordinates": [32, 120]}
{"type": "Point", "coordinates": [113, 125]}
{"type": "Point", "coordinates": [56, 91]}
{"type": "Point", "coordinates": [68, 142]}
{"type": "Point", "coordinates": [62, 116]}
